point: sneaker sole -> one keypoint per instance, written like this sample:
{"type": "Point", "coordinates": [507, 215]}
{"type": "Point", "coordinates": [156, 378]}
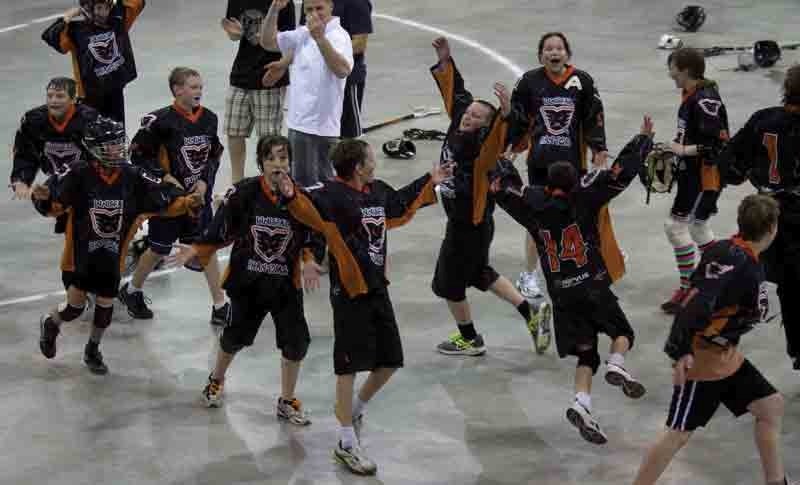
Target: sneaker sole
{"type": "Point", "coordinates": [544, 323]}
{"type": "Point", "coordinates": [632, 389]}
{"type": "Point", "coordinates": [587, 433]}
{"type": "Point", "coordinates": [289, 420]}
{"type": "Point", "coordinates": [343, 462]}
{"type": "Point", "coordinates": [48, 355]}
{"type": "Point", "coordinates": [473, 353]}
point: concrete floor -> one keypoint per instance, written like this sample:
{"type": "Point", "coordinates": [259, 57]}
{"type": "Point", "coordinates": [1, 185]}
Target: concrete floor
{"type": "Point", "coordinates": [498, 419]}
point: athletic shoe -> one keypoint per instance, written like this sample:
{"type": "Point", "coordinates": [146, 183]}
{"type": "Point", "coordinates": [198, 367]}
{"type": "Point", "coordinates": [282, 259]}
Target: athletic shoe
{"type": "Point", "coordinates": [221, 317]}
{"type": "Point", "coordinates": [456, 344]}
{"type": "Point", "coordinates": [796, 365]}
{"type": "Point", "coordinates": [528, 286]}
{"type": "Point", "coordinates": [135, 302]}
{"type": "Point", "coordinates": [619, 377]}
{"type": "Point", "coordinates": [674, 304]}
{"type": "Point", "coordinates": [213, 393]}
{"type": "Point", "coordinates": [48, 331]}
{"type": "Point", "coordinates": [354, 459]}
{"type": "Point", "coordinates": [292, 411]}
{"type": "Point", "coordinates": [539, 326]}
{"type": "Point", "coordinates": [94, 359]}
{"type": "Point", "coordinates": [582, 419]}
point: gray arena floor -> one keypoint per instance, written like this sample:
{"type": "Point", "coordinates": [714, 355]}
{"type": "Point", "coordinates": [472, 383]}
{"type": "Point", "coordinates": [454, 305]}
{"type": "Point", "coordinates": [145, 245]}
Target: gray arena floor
{"type": "Point", "coordinates": [498, 419]}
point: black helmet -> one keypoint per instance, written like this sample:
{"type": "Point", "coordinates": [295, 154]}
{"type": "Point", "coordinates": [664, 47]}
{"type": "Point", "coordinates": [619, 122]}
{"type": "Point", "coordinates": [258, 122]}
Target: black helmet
{"type": "Point", "coordinates": [87, 7]}
{"type": "Point", "coordinates": [691, 17]}
{"type": "Point", "coordinates": [106, 141]}
{"type": "Point", "coordinates": [766, 53]}
{"type": "Point", "coordinates": [401, 148]}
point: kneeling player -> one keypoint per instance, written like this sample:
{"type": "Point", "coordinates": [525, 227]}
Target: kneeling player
{"type": "Point", "coordinates": [562, 218]}
{"type": "Point", "coordinates": [180, 142]}
{"type": "Point", "coordinates": [264, 273]}
{"type": "Point", "coordinates": [727, 297]}
{"type": "Point", "coordinates": [108, 198]}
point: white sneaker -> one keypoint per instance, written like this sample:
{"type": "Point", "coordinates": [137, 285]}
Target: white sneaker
{"type": "Point", "coordinates": [292, 411]}
{"type": "Point", "coordinates": [582, 419]}
{"type": "Point", "coordinates": [354, 459]}
{"type": "Point", "coordinates": [619, 377]}
{"type": "Point", "coordinates": [528, 286]}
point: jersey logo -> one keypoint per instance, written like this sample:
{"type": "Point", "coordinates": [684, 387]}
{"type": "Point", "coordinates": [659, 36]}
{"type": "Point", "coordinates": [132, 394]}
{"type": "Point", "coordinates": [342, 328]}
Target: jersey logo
{"type": "Point", "coordinates": [147, 121]}
{"type": "Point", "coordinates": [107, 223]}
{"type": "Point", "coordinates": [103, 47]}
{"type": "Point", "coordinates": [196, 156]}
{"type": "Point", "coordinates": [376, 229]}
{"type": "Point", "coordinates": [270, 242]}
{"type": "Point", "coordinates": [574, 82]}
{"type": "Point", "coordinates": [61, 155]}
{"type": "Point", "coordinates": [715, 270]}
{"type": "Point", "coordinates": [557, 119]}
{"type": "Point", "coordinates": [710, 106]}
{"type": "Point", "coordinates": [590, 177]}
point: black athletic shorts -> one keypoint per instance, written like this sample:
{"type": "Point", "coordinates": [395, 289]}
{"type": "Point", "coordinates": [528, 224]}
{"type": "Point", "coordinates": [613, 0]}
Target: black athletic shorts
{"type": "Point", "coordinates": [164, 231]}
{"type": "Point", "coordinates": [366, 336]}
{"type": "Point", "coordinates": [351, 109]}
{"type": "Point", "coordinates": [691, 202]}
{"type": "Point", "coordinates": [537, 175]}
{"type": "Point", "coordinates": [249, 307]}
{"type": "Point", "coordinates": [464, 260]}
{"type": "Point", "coordinates": [98, 281]}
{"type": "Point", "coordinates": [694, 403]}
{"type": "Point", "coordinates": [579, 322]}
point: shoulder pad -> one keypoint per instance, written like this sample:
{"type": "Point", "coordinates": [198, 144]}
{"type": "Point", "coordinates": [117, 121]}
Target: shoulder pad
{"type": "Point", "coordinates": [150, 118]}
{"type": "Point", "coordinates": [35, 117]}
{"type": "Point", "coordinates": [86, 112]}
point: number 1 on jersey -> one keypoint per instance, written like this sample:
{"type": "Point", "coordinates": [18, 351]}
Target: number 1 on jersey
{"type": "Point", "coordinates": [770, 141]}
{"type": "Point", "coordinates": [573, 247]}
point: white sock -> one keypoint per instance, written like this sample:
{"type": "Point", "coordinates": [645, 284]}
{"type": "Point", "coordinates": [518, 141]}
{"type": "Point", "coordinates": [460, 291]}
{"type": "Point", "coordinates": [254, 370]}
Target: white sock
{"type": "Point", "coordinates": [347, 435]}
{"type": "Point", "coordinates": [616, 359]}
{"type": "Point", "coordinates": [358, 406]}
{"type": "Point", "coordinates": [584, 400]}
{"type": "Point", "coordinates": [217, 306]}
{"type": "Point", "coordinates": [132, 289]}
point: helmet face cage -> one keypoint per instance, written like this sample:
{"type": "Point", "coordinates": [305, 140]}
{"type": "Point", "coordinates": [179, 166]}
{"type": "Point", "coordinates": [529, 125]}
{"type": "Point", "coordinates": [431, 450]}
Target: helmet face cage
{"type": "Point", "coordinates": [87, 7]}
{"type": "Point", "coordinates": [658, 172]}
{"type": "Point", "coordinates": [107, 142]}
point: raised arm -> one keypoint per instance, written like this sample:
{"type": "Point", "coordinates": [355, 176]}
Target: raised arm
{"type": "Point", "coordinates": [268, 37]}
{"type": "Point", "coordinates": [336, 50]}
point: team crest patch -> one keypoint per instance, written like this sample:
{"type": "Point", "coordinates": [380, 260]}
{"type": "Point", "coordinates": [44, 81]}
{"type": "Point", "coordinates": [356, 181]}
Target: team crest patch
{"type": "Point", "coordinates": [557, 119]}
{"type": "Point", "coordinates": [715, 270]}
{"type": "Point", "coordinates": [103, 47]}
{"type": "Point", "coordinates": [196, 156]}
{"type": "Point", "coordinates": [270, 242]}
{"type": "Point", "coordinates": [107, 223]}
{"type": "Point", "coordinates": [376, 228]}
{"type": "Point", "coordinates": [61, 155]}
{"type": "Point", "coordinates": [710, 106]}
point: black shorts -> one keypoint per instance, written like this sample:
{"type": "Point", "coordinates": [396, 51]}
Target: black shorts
{"type": "Point", "coordinates": [537, 175]}
{"type": "Point", "coordinates": [110, 104]}
{"type": "Point", "coordinates": [249, 308]}
{"type": "Point", "coordinates": [579, 322]}
{"type": "Point", "coordinates": [691, 202]}
{"type": "Point", "coordinates": [366, 336]}
{"type": "Point", "coordinates": [351, 109]}
{"type": "Point", "coordinates": [101, 283]}
{"type": "Point", "coordinates": [464, 260]}
{"type": "Point", "coordinates": [694, 403]}
{"type": "Point", "coordinates": [164, 231]}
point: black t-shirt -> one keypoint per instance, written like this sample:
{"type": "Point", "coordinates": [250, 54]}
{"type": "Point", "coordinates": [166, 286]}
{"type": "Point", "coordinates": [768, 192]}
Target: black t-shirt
{"type": "Point", "coordinates": [355, 17]}
{"type": "Point", "coordinates": [248, 67]}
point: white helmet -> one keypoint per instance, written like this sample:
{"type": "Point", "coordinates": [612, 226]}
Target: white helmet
{"type": "Point", "coordinates": [670, 42]}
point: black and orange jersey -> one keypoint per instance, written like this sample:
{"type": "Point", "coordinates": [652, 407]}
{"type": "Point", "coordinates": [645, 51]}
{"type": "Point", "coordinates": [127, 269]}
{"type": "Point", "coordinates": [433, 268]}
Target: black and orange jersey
{"type": "Point", "coordinates": [354, 224]}
{"type": "Point", "coordinates": [767, 150]}
{"type": "Point", "coordinates": [106, 209]}
{"type": "Point", "coordinates": [184, 145]}
{"type": "Point", "coordinates": [102, 57]}
{"type": "Point", "coordinates": [267, 240]}
{"type": "Point", "coordinates": [702, 120]}
{"type": "Point", "coordinates": [42, 143]}
{"type": "Point", "coordinates": [465, 196]}
{"type": "Point", "coordinates": [562, 115]}
{"type": "Point", "coordinates": [565, 225]}
{"type": "Point", "coordinates": [727, 298]}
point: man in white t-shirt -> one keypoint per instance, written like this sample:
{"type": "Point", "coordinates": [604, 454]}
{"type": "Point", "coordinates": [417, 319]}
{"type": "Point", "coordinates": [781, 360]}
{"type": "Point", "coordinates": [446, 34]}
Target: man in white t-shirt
{"type": "Point", "coordinates": [322, 58]}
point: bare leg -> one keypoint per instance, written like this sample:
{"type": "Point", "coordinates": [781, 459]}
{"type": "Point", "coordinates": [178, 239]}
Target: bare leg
{"type": "Point", "coordinates": [659, 456]}
{"type": "Point", "coordinates": [75, 298]}
{"type": "Point", "coordinates": [583, 379]}
{"type": "Point", "coordinates": [505, 290]}
{"type": "Point", "coordinates": [147, 262]}
{"type": "Point", "coordinates": [344, 399]}
{"type": "Point", "coordinates": [290, 370]}
{"type": "Point", "coordinates": [237, 150]}
{"type": "Point", "coordinates": [460, 310]}
{"type": "Point", "coordinates": [531, 254]}
{"type": "Point", "coordinates": [211, 272]}
{"type": "Point", "coordinates": [376, 380]}
{"type": "Point", "coordinates": [224, 360]}
{"type": "Point", "coordinates": [620, 345]}
{"type": "Point", "coordinates": [769, 416]}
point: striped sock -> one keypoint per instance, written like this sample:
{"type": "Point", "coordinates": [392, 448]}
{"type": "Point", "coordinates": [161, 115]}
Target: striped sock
{"type": "Point", "coordinates": [685, 257]}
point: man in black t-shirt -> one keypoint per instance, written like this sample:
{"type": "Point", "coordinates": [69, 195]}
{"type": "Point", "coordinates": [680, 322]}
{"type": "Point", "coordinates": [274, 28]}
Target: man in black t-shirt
{"type": "Point", "coordinates": [356, 18]}
{"type": "Point", "coordinates": [252, 100]}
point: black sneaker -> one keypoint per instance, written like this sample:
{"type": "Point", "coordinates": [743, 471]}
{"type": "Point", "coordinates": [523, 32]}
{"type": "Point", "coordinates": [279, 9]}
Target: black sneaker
{"type": "Point", "coordinates": [94, 359]}
{"type": "Point", "coordinates": [221, 317]}
{"type": "Point", "coordinates": [48, 331]}
{"type": "Point", "coordinates": [796, 365]}
{"type": "Point", "coordinates": [136, 303]}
